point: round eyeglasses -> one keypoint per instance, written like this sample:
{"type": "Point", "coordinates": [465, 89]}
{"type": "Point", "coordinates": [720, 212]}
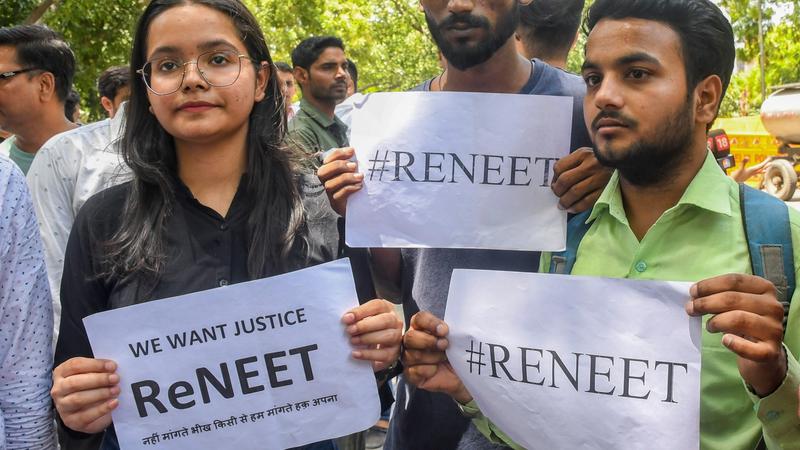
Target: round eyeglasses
{"type": "Point", "coordinates": [219, 68]}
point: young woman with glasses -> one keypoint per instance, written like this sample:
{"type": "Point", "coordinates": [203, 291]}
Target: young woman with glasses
{"type": "Point", "coordinates": [214, 199]}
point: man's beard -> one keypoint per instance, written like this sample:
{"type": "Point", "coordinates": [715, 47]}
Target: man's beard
{"type": "Point", "coordinates": [328, 94]}
{"type": "Point", "coordinates": [653, 161]}
{"type": "Point", "coordinates": [465, 57]}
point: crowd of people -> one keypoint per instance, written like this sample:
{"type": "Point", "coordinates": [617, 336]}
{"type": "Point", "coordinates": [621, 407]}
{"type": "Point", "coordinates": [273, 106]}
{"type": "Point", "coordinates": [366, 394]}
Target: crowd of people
{"type": "Point", "coordinates": [206, 173]}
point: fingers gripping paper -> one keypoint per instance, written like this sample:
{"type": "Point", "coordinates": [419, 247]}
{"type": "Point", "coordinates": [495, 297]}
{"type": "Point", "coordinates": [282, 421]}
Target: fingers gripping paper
{"type": "Point", "coordinates": [258, 365]}
{"type": "Point", "coordinates": [578, 362]}
{"type": "Point", "coordinates": [459, 170]}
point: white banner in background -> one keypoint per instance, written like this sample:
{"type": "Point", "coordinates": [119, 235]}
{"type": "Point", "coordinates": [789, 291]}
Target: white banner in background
{"type": "Point", "coordinates": [577, 362]}
{"type": "Point", "coordinates": [459, 170]}
{"type": "Point", "coordinates": [258, 365]}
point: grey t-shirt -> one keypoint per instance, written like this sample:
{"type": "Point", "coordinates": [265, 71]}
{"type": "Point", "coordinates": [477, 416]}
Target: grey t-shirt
{"type": "Point", "coordinates": [431, 421]}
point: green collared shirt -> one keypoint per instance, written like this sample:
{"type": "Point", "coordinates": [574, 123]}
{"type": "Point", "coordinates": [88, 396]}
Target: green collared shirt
{"type": "Point", "coordinates": [700, 237]}
{"type": "Point", "coordinates": [313, 132]}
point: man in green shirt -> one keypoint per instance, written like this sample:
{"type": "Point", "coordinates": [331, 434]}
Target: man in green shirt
{"type": "Point", "coordinates": [320, 68]}
{"type": "Point", "coordinates": [36, 72]}
{"type": "Point", "coordinates": [656, 72]}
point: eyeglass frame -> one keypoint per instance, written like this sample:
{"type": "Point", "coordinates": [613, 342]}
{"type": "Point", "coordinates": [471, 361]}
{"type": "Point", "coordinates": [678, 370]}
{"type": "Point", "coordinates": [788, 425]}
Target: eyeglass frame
{"type": "Point", "coordinates": [195, 62]}
{"type": "Point", "coordinates": [12, 73]}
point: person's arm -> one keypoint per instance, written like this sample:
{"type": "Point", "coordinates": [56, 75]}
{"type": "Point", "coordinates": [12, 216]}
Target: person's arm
{"type": "Point", "coordinates": [52, 200]}
{"type": "Point", "coordinates": [27, 325]}
{"type": "Point", "coordinates": [426, 366]}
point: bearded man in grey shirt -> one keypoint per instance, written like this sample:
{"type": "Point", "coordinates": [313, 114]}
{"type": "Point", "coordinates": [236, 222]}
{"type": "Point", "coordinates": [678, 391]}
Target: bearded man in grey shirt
{"type": "Point", "coordinates": [476, 39]}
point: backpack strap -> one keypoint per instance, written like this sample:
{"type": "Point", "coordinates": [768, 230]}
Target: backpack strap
{"type": "Point", "coordinates": [769, 238]}
{"type": "Point", "coordinates": [562, 262]}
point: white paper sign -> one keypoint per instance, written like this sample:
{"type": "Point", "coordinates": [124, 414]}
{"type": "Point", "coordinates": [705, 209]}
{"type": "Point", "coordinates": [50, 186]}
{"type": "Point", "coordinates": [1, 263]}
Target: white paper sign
{"type": "Point", "coordinates": [459, 170]}
{"type": "Point", "coordinates": [258, 365]}
{"type": "Point", "coordinates": [577, 362]}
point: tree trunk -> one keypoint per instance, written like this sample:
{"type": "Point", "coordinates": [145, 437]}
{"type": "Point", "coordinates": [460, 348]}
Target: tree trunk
{"type": "Point", "coordinates": [39, 11]}
{"type": "Point", "coordinates": [761, 54]}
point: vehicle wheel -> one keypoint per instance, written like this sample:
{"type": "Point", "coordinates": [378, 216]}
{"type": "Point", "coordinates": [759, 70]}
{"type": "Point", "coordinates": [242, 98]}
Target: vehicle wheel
{"type": "Point", "coordinates": [780, 179]}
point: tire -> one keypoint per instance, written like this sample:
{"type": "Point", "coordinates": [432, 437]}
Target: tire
{"type": "Point", "coordinates": [780, 179]}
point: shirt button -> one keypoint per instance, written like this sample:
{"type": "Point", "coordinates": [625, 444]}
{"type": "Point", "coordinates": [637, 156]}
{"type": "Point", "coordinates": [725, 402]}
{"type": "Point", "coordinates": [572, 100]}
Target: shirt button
{"type": "Point", "coordinates": [223, 227]}
{"type": "Point", "coordinates": [773, 415]}
{"type": "Point", "coordinates": [641, 266]}
{"type": "Point", "coordinates": [223, 282]}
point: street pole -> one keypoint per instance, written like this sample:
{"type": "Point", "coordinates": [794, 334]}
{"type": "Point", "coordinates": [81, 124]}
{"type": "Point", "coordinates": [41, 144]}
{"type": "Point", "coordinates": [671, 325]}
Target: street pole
{"type": "Point", "coordinates": [761, 54]}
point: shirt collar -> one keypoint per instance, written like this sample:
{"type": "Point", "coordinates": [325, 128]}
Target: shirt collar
{"type": "Point", "coordinates": [317, 115]}
{"type": "Point", "coordinates": [709, 190]}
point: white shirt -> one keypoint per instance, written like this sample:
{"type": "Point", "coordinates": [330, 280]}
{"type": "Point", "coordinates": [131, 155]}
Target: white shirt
{"type": "Point", "coordinates": [67, 170]}
{"type": "Point", "coordinates": [344, 110]}
{"type": "Point", "coordinates": [26, 321]}
{"type": "Point", "coordinates": [5, 147]}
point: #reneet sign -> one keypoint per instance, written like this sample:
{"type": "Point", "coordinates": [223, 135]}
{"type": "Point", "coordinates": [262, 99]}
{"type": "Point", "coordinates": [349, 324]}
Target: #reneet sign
{"type": "Point", "coordinates": [459, 170]}
{"type": "Point", "coordinates": [578, 362]}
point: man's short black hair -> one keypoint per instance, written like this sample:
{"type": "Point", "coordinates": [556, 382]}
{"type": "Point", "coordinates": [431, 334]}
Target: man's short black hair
{"type": "Point", "coordinates": [707, 41]}
{"type": "Point", "coordinates": [308, 51]}
{"type": "Point", "coordinates": [41, 48]}
{"type": "Point", "coordinates": [282, 67]}
{"type": "Point", "coordinates": [112, 80]}
{"type": "Point", "coordinates": [71, 104]}
{"type": "Point", "coordinates": [548, 27]}
{"type": "Point", "coordinates": [353, 71]}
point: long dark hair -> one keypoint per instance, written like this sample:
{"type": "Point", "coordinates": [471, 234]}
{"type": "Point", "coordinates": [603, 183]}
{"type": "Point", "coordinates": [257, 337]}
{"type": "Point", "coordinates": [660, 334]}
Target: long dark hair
{"type": "Point", "coordinates": [275, 216]}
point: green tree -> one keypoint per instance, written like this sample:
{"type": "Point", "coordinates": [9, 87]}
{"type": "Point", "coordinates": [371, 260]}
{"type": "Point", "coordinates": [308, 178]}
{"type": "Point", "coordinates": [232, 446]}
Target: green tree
{"type": "Point", "coordinates": [781, 45]}
{"type": "Point", "coordinates": [388, 39]}
{"type": "Point", "coordinates": [15, 11]}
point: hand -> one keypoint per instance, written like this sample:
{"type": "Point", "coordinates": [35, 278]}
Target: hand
{"type": "Point", "coordinates": [376, 331]}
{"type": "Point", "coordinates": [746, 309]}
{"type": "Point", "coordinates": [579, 180]}
{"type": "Point", "coordinates": [744, 173]}
{"type": "Point", "coordinates": [425, 361]}
{"type": "Point", "coordinates": [85, 392]}
{"type": "Point", "coordinates": [338, 175]}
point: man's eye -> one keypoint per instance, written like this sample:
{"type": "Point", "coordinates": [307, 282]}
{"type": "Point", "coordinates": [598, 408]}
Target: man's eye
{"type": "Point", "coordinates": [637, 74]}
{"type": "Point", "coordinates": [592, 80]}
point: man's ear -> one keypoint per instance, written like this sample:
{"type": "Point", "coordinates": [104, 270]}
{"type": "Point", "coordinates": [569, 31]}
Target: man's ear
{"type": "Point", "coordinates": [47, 86]}
{"type": "Point", "coordinates": [263, 75]}
{"type": "Point", "coordinates": [708, 96]}
{"type": "Point", "coordinates": [300, 75]}
{"type": "Point", "coordinates": [107, 104]}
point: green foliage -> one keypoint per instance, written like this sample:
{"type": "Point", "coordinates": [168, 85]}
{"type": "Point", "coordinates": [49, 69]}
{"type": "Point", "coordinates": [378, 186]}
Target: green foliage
{"type": "Point", "coordinates": [13, 12]}
{"type": "Point", "coordinates": [781, 46]}
{"type": "Point", "coordinates": [388, 39]}
{"type": "Point", "coordinates": [100, 34]}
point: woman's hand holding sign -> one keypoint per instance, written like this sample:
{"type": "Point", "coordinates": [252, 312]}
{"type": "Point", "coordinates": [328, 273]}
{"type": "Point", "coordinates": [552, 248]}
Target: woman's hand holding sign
{"type": "Point", "coordinates": [85, 392]}
{"type": "Point", "coordinates": [376, 331]}
{"type": "Point", "coordinates": [425, 361]}
{"type": "Point", "coordinates": [746, 309]}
